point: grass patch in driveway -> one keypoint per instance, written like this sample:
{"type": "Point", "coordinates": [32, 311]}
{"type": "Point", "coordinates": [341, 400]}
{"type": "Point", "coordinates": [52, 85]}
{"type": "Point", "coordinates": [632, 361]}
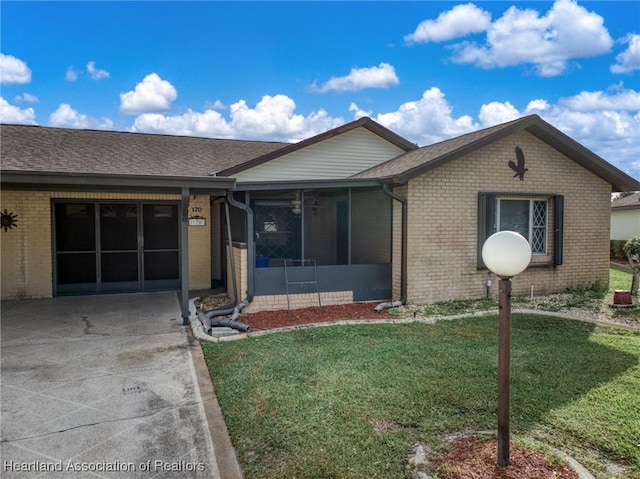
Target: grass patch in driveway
{"type": "Point", "coordinates": [349, 401]}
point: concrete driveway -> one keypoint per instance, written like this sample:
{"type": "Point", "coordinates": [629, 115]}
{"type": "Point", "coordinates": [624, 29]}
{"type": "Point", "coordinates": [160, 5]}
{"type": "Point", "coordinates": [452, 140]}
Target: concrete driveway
{"type": "Point", "coordinates": [103, 386]}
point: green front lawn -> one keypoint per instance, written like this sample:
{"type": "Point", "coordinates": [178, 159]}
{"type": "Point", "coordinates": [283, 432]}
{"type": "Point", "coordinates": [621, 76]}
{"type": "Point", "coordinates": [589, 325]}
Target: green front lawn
{"type": "Point", "coordinates": [349, 401]}
{"type": "Point", "coordinates": [619, 278]}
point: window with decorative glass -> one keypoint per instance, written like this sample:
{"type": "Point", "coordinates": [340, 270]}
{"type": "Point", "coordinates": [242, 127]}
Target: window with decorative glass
{"type": "Point", "coordinates": [527, 217]}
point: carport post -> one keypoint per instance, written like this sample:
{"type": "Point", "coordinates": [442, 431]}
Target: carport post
{"type": "Point", "coordinates": [184, 256]}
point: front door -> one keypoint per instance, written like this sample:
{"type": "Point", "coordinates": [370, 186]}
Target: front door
{"type": "Point", "coordinates": [116, 247]}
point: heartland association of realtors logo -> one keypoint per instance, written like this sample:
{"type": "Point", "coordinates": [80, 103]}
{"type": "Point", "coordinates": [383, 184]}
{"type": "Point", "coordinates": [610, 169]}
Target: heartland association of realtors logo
{"type": "Point", "coordinates": [8, 220]}
{"type": "Point", "coordinates": [101, 466]}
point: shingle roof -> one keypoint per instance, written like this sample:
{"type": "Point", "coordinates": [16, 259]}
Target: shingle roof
{"type": "Point", "coordinates": [39, 149]}
{"type": "Point", "coordinates": [627, 203]}
{"type": "Point", "coordinates": [413, 163]}
{"type": "Point", "coordinates": [62, 151]}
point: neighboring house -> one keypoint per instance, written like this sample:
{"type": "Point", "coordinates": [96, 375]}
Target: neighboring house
{"type": "Point", "coordinates": [625, 217]}
{"type": "Point", "coordinates": [99, 212]}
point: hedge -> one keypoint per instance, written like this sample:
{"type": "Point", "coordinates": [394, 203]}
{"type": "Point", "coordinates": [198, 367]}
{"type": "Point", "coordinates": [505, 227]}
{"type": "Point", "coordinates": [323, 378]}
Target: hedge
{"type": "Point", "coordinates": [616, 249]}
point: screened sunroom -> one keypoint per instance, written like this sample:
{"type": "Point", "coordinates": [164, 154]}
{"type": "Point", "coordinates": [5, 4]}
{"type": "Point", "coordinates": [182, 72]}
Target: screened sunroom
{"type": "Point", "coordinates": [324, 239]}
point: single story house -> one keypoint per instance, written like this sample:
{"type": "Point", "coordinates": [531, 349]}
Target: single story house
{"type": "Point", "coordinates": [357, 213]}
{"type": "Point", "coordinates": [625, 217]}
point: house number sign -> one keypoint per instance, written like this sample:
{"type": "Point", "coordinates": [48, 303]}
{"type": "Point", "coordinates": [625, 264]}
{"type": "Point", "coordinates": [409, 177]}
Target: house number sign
{"type": "Point", "coordinates": [197, 219]}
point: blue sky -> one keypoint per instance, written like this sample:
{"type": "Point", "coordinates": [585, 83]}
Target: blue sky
{"type": "Point", "coordinates": [287, 70]}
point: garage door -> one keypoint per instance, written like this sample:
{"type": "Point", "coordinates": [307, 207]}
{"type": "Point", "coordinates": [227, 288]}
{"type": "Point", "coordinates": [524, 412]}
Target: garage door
{"type": "Point", "coordinates": [116, 247]}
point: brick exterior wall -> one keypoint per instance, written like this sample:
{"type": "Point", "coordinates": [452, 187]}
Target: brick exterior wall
{"type": "Point", "coordinates": [26, 250]}
{"type": "Point", "coordinates": [216, 242]}
{"type": "Point", "coordinates": [443, 218]}
{"type": "Point", "coordinates": [200, 243]}
{"type": "Point", "coordinates": [279, 301]}
{"type": "Point", "coordinates": [241, 270]}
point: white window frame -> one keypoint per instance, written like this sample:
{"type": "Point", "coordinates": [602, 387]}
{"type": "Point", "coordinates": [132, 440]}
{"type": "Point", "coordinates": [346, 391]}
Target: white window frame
{"type": "Point", "coordinates": [531, 226]}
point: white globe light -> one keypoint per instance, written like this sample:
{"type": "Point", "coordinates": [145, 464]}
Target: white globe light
{"type": "Point", "coordinates": [506, 253]}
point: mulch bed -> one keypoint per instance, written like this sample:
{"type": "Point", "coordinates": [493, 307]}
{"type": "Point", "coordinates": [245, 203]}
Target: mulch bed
{"type": "Point", "coordinates": [475, 458]}
{"type": "Point", "coordinates": [278, 319]}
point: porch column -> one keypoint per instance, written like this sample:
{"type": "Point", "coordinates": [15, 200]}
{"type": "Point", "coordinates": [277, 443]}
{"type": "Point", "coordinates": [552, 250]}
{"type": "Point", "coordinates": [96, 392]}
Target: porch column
{"type": "Point", "coordinates": [184, 256]}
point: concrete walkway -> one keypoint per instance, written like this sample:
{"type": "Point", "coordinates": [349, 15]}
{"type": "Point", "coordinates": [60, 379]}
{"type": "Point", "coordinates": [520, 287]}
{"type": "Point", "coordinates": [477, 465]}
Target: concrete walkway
{"type": "Point", "coordinates": [105, 387]}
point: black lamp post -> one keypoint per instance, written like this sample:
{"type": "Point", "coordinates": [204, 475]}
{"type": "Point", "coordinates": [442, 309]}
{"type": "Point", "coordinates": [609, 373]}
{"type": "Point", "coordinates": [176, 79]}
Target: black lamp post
{"type": "Point", "coordinates": [506, 254]}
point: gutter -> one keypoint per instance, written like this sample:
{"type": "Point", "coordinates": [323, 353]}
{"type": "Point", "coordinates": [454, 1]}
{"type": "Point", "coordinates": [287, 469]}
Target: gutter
{"type": "Point", "coordinates": [625, 208]}
{"type": "Point", "coordinates": [220, 317]}
{"type": "Point", "coordinates": [15, 179]}
{"type": "Point", "coordinates": [403, 252]}
{"type": "Point", "coordinates": [250, 244]}
{"type": "Point", "coordinates": [231, 255]}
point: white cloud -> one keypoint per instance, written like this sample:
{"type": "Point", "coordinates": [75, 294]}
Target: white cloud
{"type": "Point", "coordinates": [568, 31]}
{"type": "Point", "coordinates": [272, 114]}
{"type": "Point", "coordinates": [613, 135]}
{"type": "Point", "coordinates": [96, 73]}
{"type": "Point", "coordinates": [381, 76]}
{"type": "Point", "coordinates": [610, 120]}
{"type": "Point", "coordinates": [358, 112]}
{"type": "Point", "coordinates": [26, 98]}
{"type": "Point", "coordinates": [216, 105]}
{"type": "Point", "coordinates": [67, 117]}
{"type": "Point", "coordinates": [314, 123]}
{"type": "Point", "coordinates": [272, 119]}
{"type": "Point", "coordinates": [71, 75]}
{"type": "Point", "coordinates": [208, 124]}
{"type": "Point", "coordinates": [495, 113]}
{"type": "Point", "coordinates": [427, 120]}
{"type": "Point", "coordinates": [15, 115]}
{"type": "Point", "coordinates": [458, 22]}
{"type": "Point", "coordinates": [606, 122]}
{"type": "Point", "coordinates": [13, 70]}
{"type": "Point", "coordinates": [538, 106]}
{"type": "Point", "coordinates": [619, 99]}
{"type": "Point", "coordinates": [152, 94]}
{"type": "Point", "coordinates": [629, 60]}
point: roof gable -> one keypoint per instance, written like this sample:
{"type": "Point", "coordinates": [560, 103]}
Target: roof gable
{"type": "Point", "coordinates": [417, 162]}
{"type": "Point", "coordinates": [336, 157]}
{"type": "Point", "coordinates": [393, 139]}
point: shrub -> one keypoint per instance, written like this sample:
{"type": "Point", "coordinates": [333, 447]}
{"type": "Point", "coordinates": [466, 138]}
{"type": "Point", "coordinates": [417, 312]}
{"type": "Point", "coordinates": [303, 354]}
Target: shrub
{"type": "Point", "coordinates": [632, 250]}
{"type": "Point", "coordinates": [616, 249]}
